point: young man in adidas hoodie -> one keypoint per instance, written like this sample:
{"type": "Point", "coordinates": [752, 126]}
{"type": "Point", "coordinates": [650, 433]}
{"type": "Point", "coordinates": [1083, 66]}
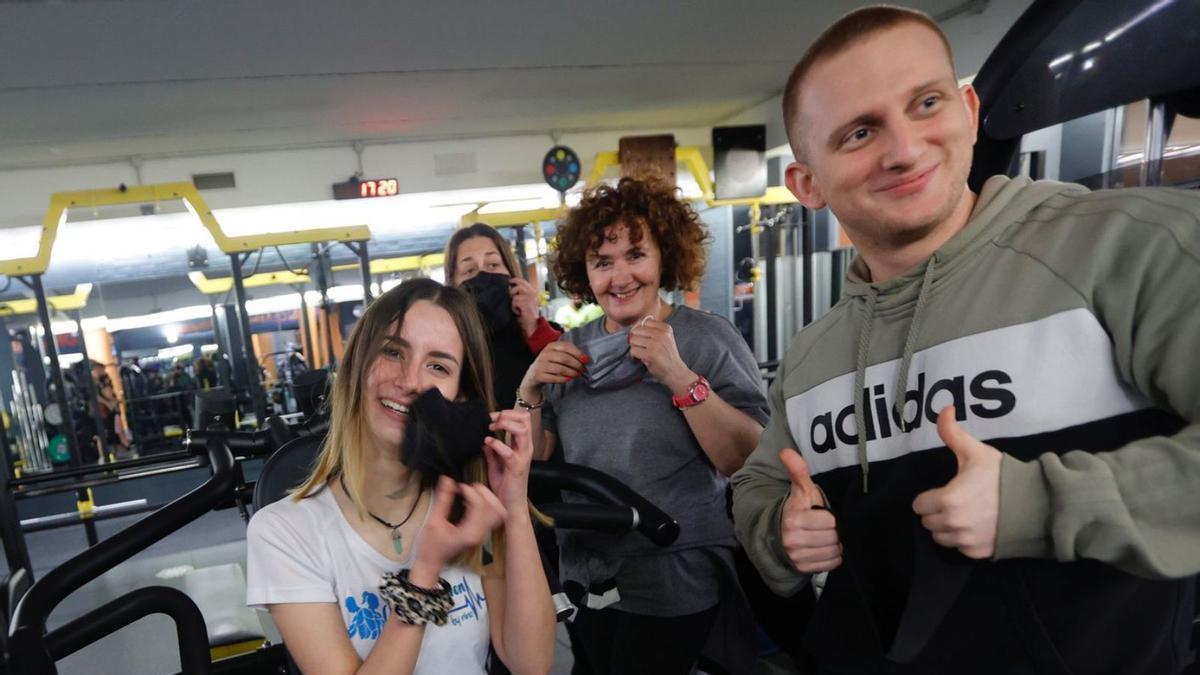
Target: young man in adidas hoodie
{"type": "Point", "coordinates": [989, 447]}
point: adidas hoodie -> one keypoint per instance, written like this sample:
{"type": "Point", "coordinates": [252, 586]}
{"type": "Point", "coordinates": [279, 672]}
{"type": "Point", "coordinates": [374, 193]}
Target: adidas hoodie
{"type": "Point", "coordinates": [1064, 325]}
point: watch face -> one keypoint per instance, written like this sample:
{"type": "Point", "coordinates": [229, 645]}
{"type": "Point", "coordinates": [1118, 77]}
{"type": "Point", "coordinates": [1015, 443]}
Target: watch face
{"type": "Point", "coordinates": [700, 391]}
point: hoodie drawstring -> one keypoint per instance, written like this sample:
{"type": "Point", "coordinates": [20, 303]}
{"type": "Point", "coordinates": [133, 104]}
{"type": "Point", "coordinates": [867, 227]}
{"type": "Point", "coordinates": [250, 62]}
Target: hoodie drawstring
{"type": "Point", "coordinates": [914, 329]}
{"type": "Point", "coordinates": [860, 373]}
{"type": "Point", "coordinates": [860, 370]}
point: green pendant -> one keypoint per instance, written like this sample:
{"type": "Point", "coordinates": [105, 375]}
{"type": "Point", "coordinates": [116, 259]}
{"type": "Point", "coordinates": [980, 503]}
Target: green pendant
{"type": "Point", "coordinates": [397, 542]}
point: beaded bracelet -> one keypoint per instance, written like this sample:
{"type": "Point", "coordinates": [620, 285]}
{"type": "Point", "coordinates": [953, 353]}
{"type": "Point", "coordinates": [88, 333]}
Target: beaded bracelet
{"type": "Point", "coordinates": [416, 605]}
{"type": "Point", "coordinates": [522, 403]}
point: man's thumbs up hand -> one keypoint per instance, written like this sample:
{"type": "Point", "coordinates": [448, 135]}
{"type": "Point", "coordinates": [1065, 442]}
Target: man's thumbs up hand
{"type": "Point", "coordinates": [963, 514]}
{"type": "Point", "coordinates": [804, 490]}
{"type": "Point", "coordinates": [809, 530]}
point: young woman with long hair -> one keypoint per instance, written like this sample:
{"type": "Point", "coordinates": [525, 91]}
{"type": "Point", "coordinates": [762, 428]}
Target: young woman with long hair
{"type": "Point", "coordinates": [479, 260]}
{"type": "Point", "coordinates": [363, 568]}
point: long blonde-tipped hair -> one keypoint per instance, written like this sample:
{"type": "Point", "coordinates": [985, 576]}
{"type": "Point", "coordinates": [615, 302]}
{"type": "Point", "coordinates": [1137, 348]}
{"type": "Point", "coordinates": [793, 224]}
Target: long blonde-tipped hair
{"type": "Point", "coordinates": [344, 446]}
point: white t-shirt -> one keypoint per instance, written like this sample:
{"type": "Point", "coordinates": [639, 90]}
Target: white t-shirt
{"type": "Point", "coordinates": [306, 551]}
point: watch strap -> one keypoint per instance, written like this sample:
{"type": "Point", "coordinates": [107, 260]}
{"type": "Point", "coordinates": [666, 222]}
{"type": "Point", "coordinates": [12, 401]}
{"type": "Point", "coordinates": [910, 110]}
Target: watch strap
{"type": "Point", "coordinates": [690, 398]}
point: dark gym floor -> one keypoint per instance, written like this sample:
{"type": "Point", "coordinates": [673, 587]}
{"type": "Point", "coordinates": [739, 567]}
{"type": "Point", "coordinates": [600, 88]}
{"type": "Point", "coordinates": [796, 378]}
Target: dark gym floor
{"type": "Point", "coordinates": [149, 645]}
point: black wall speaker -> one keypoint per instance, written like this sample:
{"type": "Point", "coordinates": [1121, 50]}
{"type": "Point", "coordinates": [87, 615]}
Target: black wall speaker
{"type": "Point", "coordinates": [739, 159]}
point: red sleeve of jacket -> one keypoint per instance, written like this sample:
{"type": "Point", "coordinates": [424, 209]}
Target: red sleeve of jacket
{"type": "Point", "coordinates": [541, 336]}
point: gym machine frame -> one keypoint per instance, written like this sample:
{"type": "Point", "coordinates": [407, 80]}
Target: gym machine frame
{"type": "Point", "coordinates": [298, 281]}
{"type": "Point", "coordinates": [29, 272]}
{"type": "Point", "coordinates": [238, 248]}
{"type": "Point", "coordinates": [320, 240]}
{"type": "Point", "coordinates": [1006, 86]}
{"type": "Point", "coordinates": [34, 650]}
{"type": "Point", "coordinates": [69, 305]}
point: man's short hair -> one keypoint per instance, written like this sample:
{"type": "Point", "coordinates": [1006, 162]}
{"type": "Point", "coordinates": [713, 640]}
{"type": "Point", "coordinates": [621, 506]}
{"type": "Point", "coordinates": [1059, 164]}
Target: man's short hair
{"type": "Point", "coordinates": [844, 32]}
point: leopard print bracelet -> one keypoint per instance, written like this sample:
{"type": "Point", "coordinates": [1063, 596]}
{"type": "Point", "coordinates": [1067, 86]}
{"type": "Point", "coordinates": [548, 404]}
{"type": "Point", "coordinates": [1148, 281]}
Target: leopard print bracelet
{"type": "Point", "coordinates": [416, 605]}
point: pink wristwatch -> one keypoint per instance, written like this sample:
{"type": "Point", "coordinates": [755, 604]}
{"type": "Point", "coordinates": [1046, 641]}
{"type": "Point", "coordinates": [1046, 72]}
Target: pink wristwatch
{"type": "Point", "coordinates": [697, 394]}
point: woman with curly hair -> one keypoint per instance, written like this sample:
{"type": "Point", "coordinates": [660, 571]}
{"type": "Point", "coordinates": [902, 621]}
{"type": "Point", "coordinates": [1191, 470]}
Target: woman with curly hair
{"type": "Point", "coordinates": [667, 399]}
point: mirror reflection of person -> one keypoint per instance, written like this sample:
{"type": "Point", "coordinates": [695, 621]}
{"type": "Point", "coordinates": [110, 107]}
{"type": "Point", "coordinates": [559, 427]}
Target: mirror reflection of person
{"type": "Point", "coordinates": [479, 248]}
{"type": "Point", "coordinates": [104, 389]}
{"type": "Point", "coordinates": [991, 444]}
{"type": "Point", "coordinates": [320, 559]}
{"type": "Point", "coordinates": [206, 376]}
{"type": "Point", "coordinates": [577, 312]}
{"type": "Point", "coordinates": [479, 260]}
{"type": "Point", "coordinates": [110, 408]}
{"type": "Point", "coordinates": [667, 399]}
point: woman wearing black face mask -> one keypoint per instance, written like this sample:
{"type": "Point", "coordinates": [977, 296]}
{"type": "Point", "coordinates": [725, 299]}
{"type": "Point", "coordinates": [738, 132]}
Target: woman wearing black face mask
{"type": "Point", "coordinates": [481, 262]}
{"type": "Point", "coordinates": [668, 400]}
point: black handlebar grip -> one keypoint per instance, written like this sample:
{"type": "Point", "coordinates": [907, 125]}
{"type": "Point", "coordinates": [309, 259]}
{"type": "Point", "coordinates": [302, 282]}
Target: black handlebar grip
{"type": "Point", "coordinates": [600, 517]}
{"type": "Point", "coordinates": [651, 521]}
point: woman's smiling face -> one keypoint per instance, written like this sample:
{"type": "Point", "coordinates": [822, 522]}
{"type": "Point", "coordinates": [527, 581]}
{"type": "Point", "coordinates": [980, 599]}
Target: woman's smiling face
{"type": "Point", "coordinates": [624, 275]}
{"type": "Point", "coordinates": [423, 351]}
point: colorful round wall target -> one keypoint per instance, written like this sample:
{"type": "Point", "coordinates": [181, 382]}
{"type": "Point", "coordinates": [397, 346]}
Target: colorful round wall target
{"type": "Point", "coordinates": [560, 168]}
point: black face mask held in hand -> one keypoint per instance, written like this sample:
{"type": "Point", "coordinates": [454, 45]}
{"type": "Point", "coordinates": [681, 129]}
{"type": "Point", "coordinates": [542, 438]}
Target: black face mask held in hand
{"type": "Point", "coordinates": [490, 292]}
{"type": "Point", "coordinates": [441, 436]}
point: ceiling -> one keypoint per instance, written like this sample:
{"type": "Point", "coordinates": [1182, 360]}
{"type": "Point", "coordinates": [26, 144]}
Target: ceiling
{"type": "Point", "coordinates": [93, 81]}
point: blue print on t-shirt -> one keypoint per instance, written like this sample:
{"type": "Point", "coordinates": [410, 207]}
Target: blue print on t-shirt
{"type": "Point", "coordinates": [366, 621]}
{"type": "Point", "coordinates": [471, 605]}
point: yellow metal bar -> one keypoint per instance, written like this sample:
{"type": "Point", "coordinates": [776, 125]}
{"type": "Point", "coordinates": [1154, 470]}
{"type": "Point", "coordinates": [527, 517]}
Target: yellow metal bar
{"type": "Point", "coordinates": [694, 161]}
{"type": "Point", "coordinates": [40, 260]}
{"type": "Point", "coordinates": [61, 202]}
{"type": "Point", "coordinates": [252, 242]}
{"type": "Point", "coordinates": [690, 157]}
{"type": "Point", "coordinates": [406, 263]}
{"type": "Point", "coordinates": [76, 300]}
{"type": "Point", "coordinates": [775, 194]}
{"type": "Point", "coordinates": [196, 203]}
{"type": "Point", "coordinates": [538, 235]}
{"type": "Point", "coordinates": [223, 284]}
{"type": "Point", "coordinates": [512, 218]}
{"type": "Point", "coordinates": [603, 161]}
{"type": "Point", "coordinates": [378, 266]}
{"type": "Point", "coordinates": [86, 507]}
{"type": "Point", "coordinates": [210, 286]}
{"type": "Point", "coordinates": [233, 649]}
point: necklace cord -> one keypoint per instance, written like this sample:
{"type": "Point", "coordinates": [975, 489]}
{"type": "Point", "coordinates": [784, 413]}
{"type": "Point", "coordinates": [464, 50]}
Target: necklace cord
{"type": "Point", "coordinates": [381, 521]}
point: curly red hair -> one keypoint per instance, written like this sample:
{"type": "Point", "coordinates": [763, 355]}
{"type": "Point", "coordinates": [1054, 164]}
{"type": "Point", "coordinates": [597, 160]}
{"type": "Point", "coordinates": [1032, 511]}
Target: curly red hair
{"type": "Point", "coordinates": [643, 205]}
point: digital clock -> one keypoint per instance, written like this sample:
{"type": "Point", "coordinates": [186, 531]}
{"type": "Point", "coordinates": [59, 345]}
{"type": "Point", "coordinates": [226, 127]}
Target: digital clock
{"type": "Point", "coordinates": [370, 187]}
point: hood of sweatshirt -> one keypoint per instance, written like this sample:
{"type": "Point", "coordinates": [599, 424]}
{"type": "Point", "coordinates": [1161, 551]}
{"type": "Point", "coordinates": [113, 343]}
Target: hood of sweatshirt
{"type": "Point", "coordinates": [1002, 201]}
